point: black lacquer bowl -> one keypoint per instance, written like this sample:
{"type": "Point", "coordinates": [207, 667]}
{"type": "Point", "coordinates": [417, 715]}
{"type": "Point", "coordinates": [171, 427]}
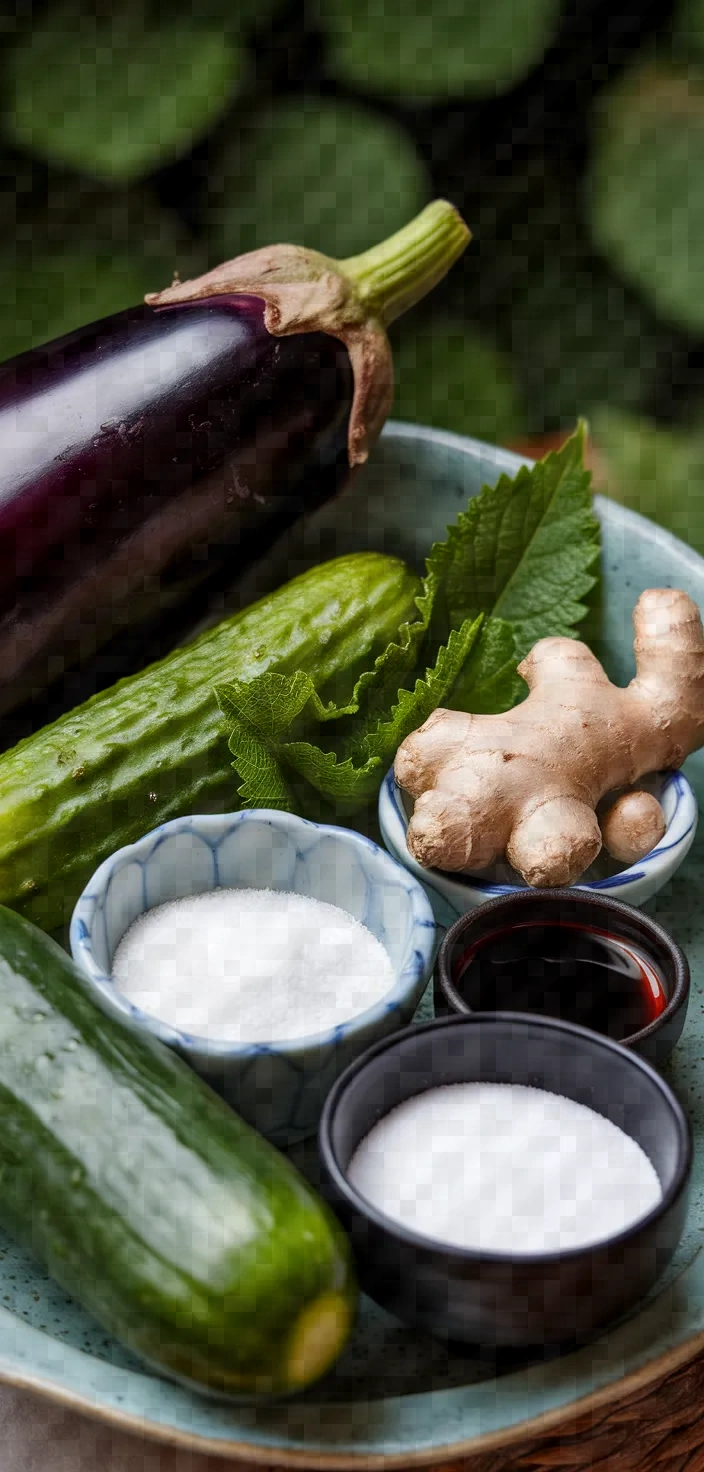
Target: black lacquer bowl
{"type": "Point", "coordinates": [576, 907]}
{"type": "Point", "coordinates": [501, 1299]}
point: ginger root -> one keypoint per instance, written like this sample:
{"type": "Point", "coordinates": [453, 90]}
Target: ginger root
{"type": "Point", "coordinates": [526, 784]}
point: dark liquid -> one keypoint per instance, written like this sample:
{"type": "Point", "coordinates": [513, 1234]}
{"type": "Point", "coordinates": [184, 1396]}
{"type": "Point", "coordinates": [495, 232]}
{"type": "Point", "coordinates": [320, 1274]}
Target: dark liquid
{"type": "Point", "coordinates": [563, 970]}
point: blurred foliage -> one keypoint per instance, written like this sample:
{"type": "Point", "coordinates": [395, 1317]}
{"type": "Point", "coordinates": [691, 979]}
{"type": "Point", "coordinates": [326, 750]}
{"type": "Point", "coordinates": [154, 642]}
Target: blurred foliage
{"type": "Point", "coordinates": [646, 189]}
{"type": "Point", "coordinates": [448, 376]}
{"type": "Point", "coordinates": [658, 472]}
{"type": "Point", "coordinates": [164, 136]}
{"type": "Point", "coordinates": [117, 93]}
{"type": "Point", "coordinates": [575, 334]}
{"type": "Point", "coordinates": [82, 257]}
{"type": "Point", "coordinates": [578, 338]}
{"type": "Point", "coordinates": [313, 171]}
{"type": "Point", "coordinates": [437, 50]}
{"type": "Point", "coordinates": [687, 38]}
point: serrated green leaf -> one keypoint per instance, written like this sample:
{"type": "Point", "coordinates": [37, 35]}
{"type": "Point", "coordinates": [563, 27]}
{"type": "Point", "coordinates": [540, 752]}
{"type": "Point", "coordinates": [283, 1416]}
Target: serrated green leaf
{"type": "Point", "coordinates": [448, 376]}
{"type": "Point", "coordinates": [522, 551]}
{"type": "Point", "coordinates": [263, 710]}
{"type": "Point", "coordinates": [339, 779]}
{"type": "Point", "coordinates": [328, 174]}
{"type": "Point", "coordinates": [263, 784]}
{"type": "Point", "coordinates": [646, 188]}
{"type": "Point", "coordinates": [488, 682]}
{"type": "Point", "coordinates": [376, 688]}
{"type": "Point", "coordinates": [437, 50]}
{"type": "Point", "coordinates": [414, 706]}
{"type": "Point", "coordinates": [116, 93]}
{"type": "Point", "coordinates": [271, 703]}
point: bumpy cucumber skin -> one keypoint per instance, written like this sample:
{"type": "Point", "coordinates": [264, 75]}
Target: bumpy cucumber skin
{"type": "Point", "coordinates": [183, 1232]}
{"type": "Point", "coordinates": [153, 746]}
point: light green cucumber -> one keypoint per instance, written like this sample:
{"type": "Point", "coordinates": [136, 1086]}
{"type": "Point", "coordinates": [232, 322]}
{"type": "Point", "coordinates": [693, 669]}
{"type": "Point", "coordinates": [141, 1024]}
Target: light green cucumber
{"type": "Point", "coordinates": [154, 746]}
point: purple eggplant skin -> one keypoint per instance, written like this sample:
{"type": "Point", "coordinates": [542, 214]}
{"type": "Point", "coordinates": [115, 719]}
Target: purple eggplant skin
{"type": "Point", "coordinates": [142, 452]}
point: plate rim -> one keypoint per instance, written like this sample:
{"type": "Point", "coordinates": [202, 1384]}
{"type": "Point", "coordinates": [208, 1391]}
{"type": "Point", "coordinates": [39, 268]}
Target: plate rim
{"type": "Point", "coordinates": [651, 1372]}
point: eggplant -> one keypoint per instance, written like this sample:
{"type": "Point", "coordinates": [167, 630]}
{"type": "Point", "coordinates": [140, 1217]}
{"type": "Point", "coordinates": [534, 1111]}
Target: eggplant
{"type": "Point", "coordinates": [142, 452]}
{"type": "Point", "coordinates": [135, 451]}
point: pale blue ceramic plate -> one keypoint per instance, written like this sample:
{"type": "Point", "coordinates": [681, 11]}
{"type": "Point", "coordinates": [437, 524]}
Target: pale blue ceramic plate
{"type": "Point", "coordinates": [396, 1397]}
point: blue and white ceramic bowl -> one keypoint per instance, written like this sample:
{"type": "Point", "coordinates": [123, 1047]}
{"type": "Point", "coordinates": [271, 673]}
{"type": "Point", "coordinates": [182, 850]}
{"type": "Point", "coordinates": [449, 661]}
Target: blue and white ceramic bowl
{"type": "Point", "coordinates": [279, 1088]}
{"type": "Point", "coordinates": [453, 894]}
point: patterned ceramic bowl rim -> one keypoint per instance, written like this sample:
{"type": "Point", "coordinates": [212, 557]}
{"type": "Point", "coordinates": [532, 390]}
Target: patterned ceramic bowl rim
{"type": "Point", "coordinates": [417, 959]}
{"type": "Point", "coordinates": [663, 860]}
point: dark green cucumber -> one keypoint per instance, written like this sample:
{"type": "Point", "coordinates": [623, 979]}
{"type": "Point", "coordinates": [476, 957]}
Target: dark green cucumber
{"type": "Point", "coordinates": [153, 747]}
{"type": "Point", "coordinates": [183, 1232]}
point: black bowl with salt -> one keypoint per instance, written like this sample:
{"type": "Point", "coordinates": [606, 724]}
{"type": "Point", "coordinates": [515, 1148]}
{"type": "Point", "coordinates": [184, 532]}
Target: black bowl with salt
{"type": "Point", "coordinates": [484, 1268]}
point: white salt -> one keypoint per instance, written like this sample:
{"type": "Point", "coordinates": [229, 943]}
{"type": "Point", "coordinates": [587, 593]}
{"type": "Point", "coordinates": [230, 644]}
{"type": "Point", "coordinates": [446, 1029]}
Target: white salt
{"type": "Point", "coordinates": [251, 965]}
{"type": "Point", "coordinates": [504, 1168]}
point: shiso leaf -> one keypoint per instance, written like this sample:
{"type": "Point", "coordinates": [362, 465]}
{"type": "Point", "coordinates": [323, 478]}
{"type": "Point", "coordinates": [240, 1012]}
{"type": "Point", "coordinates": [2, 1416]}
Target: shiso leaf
{"type": "Point", "coordinates": [522, 551]}
{"type": "Point", "coordinates": [382, 738]}
{"type": "Point", "coordinates": [313, 171]}
{"type": "Point", "coordinates": [351, 774]}
{"type": "Point", "coordinates": [446, 375]}
{"type": "Point", "coordinates": [646, 188]}
{"type": "Point", "coordinates": [438, 50]}
{"type": "Point", "coordinates": [488, 682]}
{"type": "Point", "coordinates": [263, 782]}
{"type": "Point", "coordinates": [478, 664]}
{"type": "Point", "coordinates": [118, 92]}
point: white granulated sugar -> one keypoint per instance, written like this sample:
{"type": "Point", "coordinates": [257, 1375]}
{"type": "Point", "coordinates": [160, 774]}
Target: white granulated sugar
{"type": "Point", "coordinates": [251, 965]}
{"type": "Point", "coordinates": [504, 1168]}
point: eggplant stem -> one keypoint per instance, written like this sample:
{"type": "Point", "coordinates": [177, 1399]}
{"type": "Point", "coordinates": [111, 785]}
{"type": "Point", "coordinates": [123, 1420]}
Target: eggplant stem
{"type": "Point", "coordinates": [391, 277]}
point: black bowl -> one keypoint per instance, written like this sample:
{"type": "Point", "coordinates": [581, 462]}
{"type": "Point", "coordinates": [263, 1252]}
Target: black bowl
{"type": "Point", "coordinates": [579, 907]}
{"type": "Point", "coordinates": [502, 1299]}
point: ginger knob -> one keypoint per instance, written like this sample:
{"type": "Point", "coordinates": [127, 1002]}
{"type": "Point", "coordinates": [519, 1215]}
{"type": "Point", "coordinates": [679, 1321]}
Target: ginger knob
{"type": "Point", "coordinates": [632, 826]}
{"type": "Point", "coordinates": [526, 784]}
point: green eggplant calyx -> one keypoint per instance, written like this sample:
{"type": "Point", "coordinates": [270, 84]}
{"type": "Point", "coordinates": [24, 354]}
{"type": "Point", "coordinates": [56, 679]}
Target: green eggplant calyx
{"type": "Point", "coordinates": [391, 277]}
{"type": "Point", "coordinates": [353, 300]}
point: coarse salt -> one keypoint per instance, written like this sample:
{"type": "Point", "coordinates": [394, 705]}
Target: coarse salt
{"type": "Point", "coordinates": [504, 1168]}
{"type": "Point", "coordinates": [251, 965]}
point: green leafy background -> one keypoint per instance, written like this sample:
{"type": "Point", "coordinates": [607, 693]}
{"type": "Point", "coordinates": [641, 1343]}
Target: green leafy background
{"type": "Point", "coordinates": [142, 138]}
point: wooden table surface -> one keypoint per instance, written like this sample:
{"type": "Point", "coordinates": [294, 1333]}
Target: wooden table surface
{"type": "Point", "coordinates": [659, 1429]}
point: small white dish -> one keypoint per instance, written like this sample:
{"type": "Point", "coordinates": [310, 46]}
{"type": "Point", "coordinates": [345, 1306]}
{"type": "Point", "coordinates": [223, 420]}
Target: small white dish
{"type": "Point", "coordinates": [278, 1087]}
{"type": "Point", "coordinates": [453, 894]}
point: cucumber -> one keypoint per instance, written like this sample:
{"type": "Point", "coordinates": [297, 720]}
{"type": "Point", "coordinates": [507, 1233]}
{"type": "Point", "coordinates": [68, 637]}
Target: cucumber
{"type": "Point", "coordinates": [181, 1230]}
{"type": "Point", "coordinates": [153, 746]}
